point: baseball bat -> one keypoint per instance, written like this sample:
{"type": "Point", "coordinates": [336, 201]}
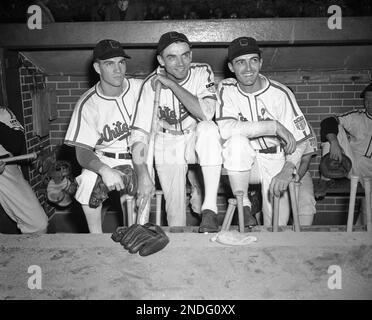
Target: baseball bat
{"type": "Point", "coordinates": [143, 217]}
{"type": "Point", "coordinates": [21, 157]}
{"type": "Point", "coordinates": [239, 200]}
{"type": "Point", "coordinates": [353, 190]}
{"type": "Point", "coordinates": [367, 191]}
{"type": "Point", "coordinates": [130, 210]}
{"type": "Point", "coordinates": [158, 194]}
{"type": "Point", "coordinates": [294, 204]}
{"type": "Point", "coordinates": [276, 213]}
{"type": "Point", "coordinates": [229, 214]}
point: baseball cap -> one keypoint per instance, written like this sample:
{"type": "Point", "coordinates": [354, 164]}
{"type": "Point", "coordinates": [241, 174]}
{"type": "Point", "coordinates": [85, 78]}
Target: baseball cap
{"type": "Point", "coordinates": [241, 46]}
{"type": "Point", "coordinates": [106, 49]}
{"type": "Point", "coordinates": [168, 38]}
{"type": "Point", "coordinates": [367, 88]}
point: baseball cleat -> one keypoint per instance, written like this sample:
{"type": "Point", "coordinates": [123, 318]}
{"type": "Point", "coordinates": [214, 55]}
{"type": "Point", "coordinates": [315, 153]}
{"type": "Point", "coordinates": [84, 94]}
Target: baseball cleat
{"type": "Point", "coordinates": [209, 221]}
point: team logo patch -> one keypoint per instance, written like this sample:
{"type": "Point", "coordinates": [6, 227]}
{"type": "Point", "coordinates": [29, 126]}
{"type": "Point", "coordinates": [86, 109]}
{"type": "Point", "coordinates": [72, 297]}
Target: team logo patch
{"type": "Point", "coordinates": [300, 123]}
{"type": "Point", "coordinates": [211, 88]}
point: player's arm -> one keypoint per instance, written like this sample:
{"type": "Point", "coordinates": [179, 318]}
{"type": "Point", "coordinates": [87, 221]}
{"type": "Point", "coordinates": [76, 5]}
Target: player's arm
{"type": "Point", "coordinates": [328, 132]}
{"type": "Point", "coordinates": [146, 187]}
{"type": "Point", "coordinates": [112, 178]}
{"type": "Point", "coordinates": [304, 165]}
{"type": "Point", "coordinates": [190, 101]}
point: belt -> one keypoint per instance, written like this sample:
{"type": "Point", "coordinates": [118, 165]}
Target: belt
{"type": "Point", "coordinates": [176, 132]}
{"type": "Point", "coordinates": [117, 155]}
{"type": "Point", "coordinates": [5, 156]}
{"type": "Point", "coordinates": [273, 149]}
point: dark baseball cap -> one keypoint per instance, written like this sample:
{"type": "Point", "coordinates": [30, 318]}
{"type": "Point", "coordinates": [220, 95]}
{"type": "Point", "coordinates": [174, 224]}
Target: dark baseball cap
{"type": "Point", "coordinates": [241, 46]}
{"type": "Point", "coordinates": [106, 49]}
{"type": "Point", "coordinates": [367, 88]}
{"type": "Point", "coordinates": [168, 38]}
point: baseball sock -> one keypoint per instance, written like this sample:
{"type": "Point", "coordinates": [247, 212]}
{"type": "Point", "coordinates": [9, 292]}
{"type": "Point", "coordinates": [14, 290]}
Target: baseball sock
{"type": "Point", "coordinates": [211, 175]}
{"type": "Point", "coordinates": [94, 220]}
{"type": "Point", "coordinates": [239, 181]}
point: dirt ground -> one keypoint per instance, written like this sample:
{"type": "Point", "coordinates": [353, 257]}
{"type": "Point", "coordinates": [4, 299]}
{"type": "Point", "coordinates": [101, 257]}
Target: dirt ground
{"type": "Point", "coordinates": [284, 265]}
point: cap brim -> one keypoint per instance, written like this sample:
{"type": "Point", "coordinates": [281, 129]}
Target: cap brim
{"type": "Point", "coordinates": [159, 50]}
{"type": "Point", "coordinates": [113, 55]}
{"type": "Point", "coordinates": [242, 53]}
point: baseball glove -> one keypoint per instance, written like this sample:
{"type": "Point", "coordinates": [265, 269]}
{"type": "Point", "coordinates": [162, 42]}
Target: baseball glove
{"type": "Point", "coordinates": [60, 192]}
{"type": "Point", "coordinates": [334, 169]}
{"type": "Point", "coordinates": [145, 239]}
{"type": "Point", "coordinates": [100, 190]}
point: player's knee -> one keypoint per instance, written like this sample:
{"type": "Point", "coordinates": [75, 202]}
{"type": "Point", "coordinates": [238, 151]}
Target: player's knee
{"type": "Point", "coordinates": [240, 145]}
{"type": "Point", "coordinates": [207, 129]}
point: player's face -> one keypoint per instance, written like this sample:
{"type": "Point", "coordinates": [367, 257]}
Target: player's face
{"type": "Point", "coordinates": [368, 101]}
{"type": "Point", "coordinates": [111, 71]}
{"type": "Point", "coordinates": [176, 59]}
{"type": "Point", "coordinates": [246, 69]}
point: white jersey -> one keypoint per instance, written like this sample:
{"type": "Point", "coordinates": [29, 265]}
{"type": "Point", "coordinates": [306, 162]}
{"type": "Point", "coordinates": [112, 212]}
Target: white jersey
{"type": "Point", "coordinates": [103, 123]}
{"type": "Point", "coordinates": [8, 118]}
{"type": "Point", "coordinates": [358, 125]}
{"type": "Point", "coordinates": [172, 113]}
{"type": "Point", "coordinates": [273, 102]}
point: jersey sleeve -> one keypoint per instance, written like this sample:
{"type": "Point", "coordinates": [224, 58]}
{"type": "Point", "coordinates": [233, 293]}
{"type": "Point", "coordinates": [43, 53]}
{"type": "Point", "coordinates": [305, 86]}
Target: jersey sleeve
{"type": "Point", "coordinates": [82, 131]}
{"type": "Point", "coordinates": [227, 113]}
{"type": "Point", "coordinates": [311, 143]}
{"type": "Point", "coordinates": [292, 117]}
{"type": "Point", "coordinates": [348, 121]}
{"type": "Point", "coordinates": [206, 88]}
{"type": "Point", "coordinates": [143, 114]}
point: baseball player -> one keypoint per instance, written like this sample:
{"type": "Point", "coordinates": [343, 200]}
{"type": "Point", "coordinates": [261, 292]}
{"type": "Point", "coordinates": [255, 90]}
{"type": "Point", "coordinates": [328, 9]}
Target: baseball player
{"type": "Point", "coordinates": [100, 127]}
{"type": "Point", "coordinates": [255, 114]}
{"type": "Point", "coordinates": [185, 133]}
{"type": "Point", "coordinates": [358, 147]}
{"type": "Point", "coordinates": [16, 196]}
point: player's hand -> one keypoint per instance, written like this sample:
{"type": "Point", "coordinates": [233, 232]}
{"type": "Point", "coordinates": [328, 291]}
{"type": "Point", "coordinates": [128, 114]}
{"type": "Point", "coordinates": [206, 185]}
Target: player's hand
{"type": "Point", "coordinates": [112, 178]}
{"type": "Point", "coordinates": [280, 182]}
{"type": "Point", "coordinates": [287, 137]}
{"type": "Point", "coordinates": [163, 79]}
{"type": "Point", "coordinates": [335, 151]}
{"type": "Point", "coordinates": [146, 190]}
{"type": "Point", "coordinates": [2, 166]}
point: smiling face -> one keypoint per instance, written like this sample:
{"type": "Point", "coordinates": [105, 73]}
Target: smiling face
{"type": "Point", "coordinates": [247, 68]}
{"type": "Point", "coordinates": [368, 102]}
{"type": "Point", "coordinates": [176, 59]}
{"type": "Point", "coordinates": [112, 73]}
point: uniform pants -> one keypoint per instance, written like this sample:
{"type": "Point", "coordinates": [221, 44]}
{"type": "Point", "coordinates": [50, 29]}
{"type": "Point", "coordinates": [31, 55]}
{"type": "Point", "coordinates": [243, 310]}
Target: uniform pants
{"type": "Point", "coordinates": [306, 199]}
{"type": "Point", "coordinates": [238, 155]}
{"type": "Point", "coordinates": [19, 201]}
{"type": "Point", "coordinates": [173, 153]}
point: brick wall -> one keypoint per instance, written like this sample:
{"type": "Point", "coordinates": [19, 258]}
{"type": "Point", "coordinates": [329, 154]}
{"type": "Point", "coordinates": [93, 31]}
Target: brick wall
{"type": "Point", "coordinates": [318, 95]}
{"type": "Point", "coordinates": [33, 142]}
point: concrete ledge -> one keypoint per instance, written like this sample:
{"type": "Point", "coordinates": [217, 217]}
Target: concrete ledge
{"type": "Point", "coordinates": [284, 265]}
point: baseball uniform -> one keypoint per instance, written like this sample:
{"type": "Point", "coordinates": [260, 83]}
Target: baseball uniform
{"type": "Point", "coordinates": [306, 191]}
{"type": "Point", "coordinates": [263, 156]}
{"type": "Point", "coordinates": [358, 146]}
{"type": "Point", "coordinates": [102, 124]}
{"type": "Point", "coordinates": [355, 138]}
{"type": "Point", "coordinates": [181, 139]}
{"type": "Point", "coordinates": [16, 195]}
